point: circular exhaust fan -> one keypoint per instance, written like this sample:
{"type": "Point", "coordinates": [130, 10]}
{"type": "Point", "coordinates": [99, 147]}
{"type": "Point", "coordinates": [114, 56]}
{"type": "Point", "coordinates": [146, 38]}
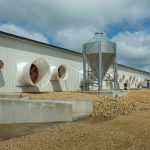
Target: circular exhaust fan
{"type": "Point", "coordinates": [1, 64]}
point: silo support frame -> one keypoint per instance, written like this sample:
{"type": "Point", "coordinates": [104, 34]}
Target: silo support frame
{"type": "Point", "coordinates": [84, 69]}
{"type": "Point", "coordinates": [115, 71]}
{"type": "Point", "coordinates": [115, 75]}
{"type": "Point", "coordinates": [100, 68]}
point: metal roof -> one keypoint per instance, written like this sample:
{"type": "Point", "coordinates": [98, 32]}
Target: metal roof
{"type": "Point", "coordinates": [133, 68]}
{"type": "Point", "coordinates": [57, 47]}
{"type": "Point", "coordinates": [38, 42]}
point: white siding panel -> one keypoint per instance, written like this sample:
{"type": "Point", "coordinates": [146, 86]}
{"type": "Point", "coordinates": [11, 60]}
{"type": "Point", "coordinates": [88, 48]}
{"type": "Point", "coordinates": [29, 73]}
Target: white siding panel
{"type": "Point", "coordinates": [13, 51]}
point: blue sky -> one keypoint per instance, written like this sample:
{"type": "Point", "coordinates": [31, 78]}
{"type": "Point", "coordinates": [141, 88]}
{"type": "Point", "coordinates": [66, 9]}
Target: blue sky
{"type": "Point", "coordinates": [70, 23]}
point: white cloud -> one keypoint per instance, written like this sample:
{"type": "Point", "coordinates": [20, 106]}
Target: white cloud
{"type": "Point", "coordinates": [54, 15]}
{"type": "Point", "coordinates": [10, 28]}
{"type": "Point", "coordinates": [134, 49]}
{"type": "Point", "coordinates": [73, 22]}
{"type": "Point", "coordinates": [73, 38]}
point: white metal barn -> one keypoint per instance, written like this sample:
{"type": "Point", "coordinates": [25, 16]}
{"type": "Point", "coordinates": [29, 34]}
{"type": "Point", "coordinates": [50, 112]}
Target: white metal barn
{"type": "Point", "coordinates": [31, 66]}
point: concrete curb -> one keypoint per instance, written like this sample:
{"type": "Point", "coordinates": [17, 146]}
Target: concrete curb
{"type": "Point", "coordinates": [26, 110]}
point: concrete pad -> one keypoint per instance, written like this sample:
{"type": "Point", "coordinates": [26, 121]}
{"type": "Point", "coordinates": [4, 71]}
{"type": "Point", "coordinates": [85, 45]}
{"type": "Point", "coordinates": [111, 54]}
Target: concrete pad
{"type": "Point", "coordinates": [79, 107]}
{"type": "Point", "coordinates": [10, 95]}
{"type": "Point", "coordinates": [34, 111]}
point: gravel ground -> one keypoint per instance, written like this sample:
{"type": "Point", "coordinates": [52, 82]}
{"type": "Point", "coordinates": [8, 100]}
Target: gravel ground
{"type": "Point", "coordinates": [116, 123]}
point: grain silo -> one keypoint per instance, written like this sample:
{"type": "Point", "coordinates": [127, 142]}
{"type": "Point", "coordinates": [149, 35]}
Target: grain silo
{"type": "Point", "coordinates": [98, 55]}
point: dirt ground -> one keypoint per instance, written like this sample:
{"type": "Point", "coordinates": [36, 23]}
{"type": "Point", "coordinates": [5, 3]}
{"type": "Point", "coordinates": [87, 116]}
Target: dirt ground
{"type": "Point", "coordinates": [8, 131]}
{"type": "Point", "coordinates": [116, 123]}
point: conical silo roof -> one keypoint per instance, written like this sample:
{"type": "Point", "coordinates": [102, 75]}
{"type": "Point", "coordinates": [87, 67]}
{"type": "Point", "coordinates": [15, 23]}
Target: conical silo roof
{"type": "Point", "coordinates": [99, 43]}
{"type": "Point", "coordinates": [98, 37]}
